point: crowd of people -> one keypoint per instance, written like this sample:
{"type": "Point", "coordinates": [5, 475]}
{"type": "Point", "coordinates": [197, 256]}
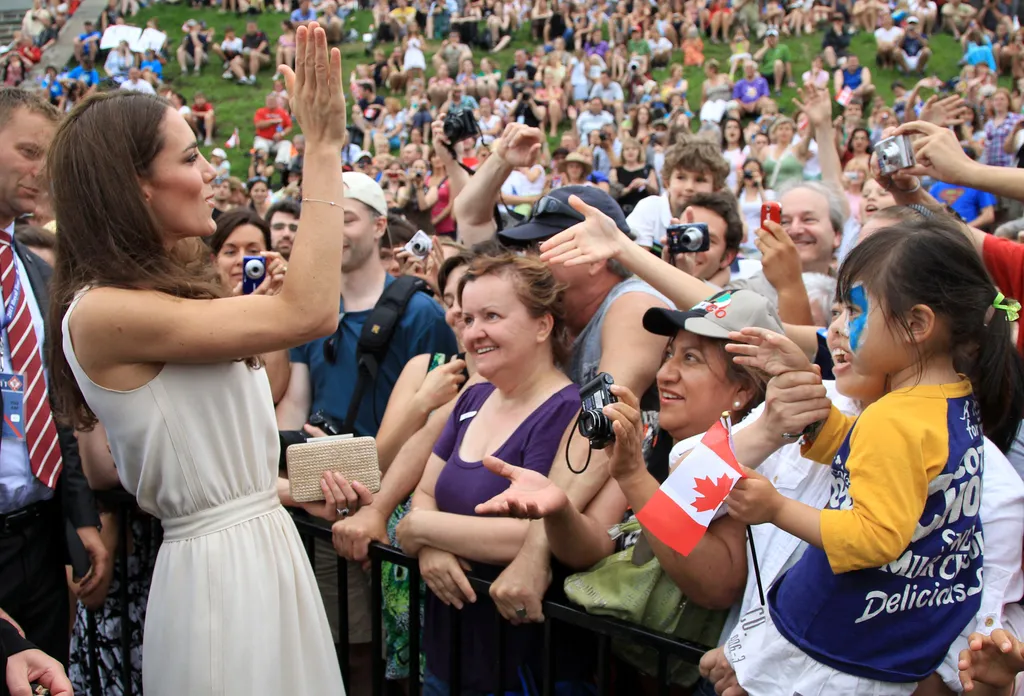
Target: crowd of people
{"type": "Point", "coordinates": [852, 310]}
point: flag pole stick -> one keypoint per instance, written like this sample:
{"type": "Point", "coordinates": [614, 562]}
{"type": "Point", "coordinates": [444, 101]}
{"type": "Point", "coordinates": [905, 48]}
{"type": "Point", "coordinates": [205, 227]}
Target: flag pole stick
{"type": "Point", "coordinates": [727, 421]}
{"type": "Point", "coordinates": [757, 570]}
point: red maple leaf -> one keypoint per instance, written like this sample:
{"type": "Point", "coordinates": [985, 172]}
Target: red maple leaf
{"type": "Point", "coordinates": [712, 492]}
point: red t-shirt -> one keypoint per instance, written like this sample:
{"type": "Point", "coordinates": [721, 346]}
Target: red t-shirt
{"type": "Point", "coordinates": [263, 113]}
{"type": "Point", "coordinates": [32, 53]}
{"type": "Point", "coordinates": [196, 109]}
{"type": "Point", "coordinates": [1004, 259]}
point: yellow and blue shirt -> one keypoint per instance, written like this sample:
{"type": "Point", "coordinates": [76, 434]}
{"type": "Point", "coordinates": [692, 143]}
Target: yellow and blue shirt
{"type": "Point", "coordinates": [900, 574]}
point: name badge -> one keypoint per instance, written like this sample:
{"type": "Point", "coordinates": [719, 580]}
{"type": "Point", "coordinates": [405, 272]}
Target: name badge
{"type": "Point", "coordinates": [12, 389]}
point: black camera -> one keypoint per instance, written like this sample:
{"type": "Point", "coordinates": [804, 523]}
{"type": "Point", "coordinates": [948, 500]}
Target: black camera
{"type": "Point", "coordinates": [593, 424]}
{"type": "Point", "coordinates": [460, 125]}
{"type": "Point", "coordinates": [689, 238]}
{"type": "Point", "coordinates": [297, 437]}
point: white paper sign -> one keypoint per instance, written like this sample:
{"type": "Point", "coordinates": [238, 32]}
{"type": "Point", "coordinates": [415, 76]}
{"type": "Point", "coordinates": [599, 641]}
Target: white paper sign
{"type": "Point", "coordinates": [117, 33]}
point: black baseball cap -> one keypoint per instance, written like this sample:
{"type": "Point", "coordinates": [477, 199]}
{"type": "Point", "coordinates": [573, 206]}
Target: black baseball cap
{"type": "Point", "coordinates": [717, 316]}
{"type": "Point", "coordinates": [553, 214]}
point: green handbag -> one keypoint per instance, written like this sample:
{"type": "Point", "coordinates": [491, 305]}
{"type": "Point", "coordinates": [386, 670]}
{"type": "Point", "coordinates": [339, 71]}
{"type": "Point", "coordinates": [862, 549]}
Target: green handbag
{"type": "Point", "coordinates": [629, 587]}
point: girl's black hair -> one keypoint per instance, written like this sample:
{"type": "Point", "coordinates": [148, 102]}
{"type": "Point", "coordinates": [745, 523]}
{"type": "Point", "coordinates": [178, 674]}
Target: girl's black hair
{"type": "Point", "coordinates": [931, 262]}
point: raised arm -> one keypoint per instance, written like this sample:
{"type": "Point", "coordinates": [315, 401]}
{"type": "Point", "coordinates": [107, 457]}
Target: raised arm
{"type": "Point", "coordinates": [115, 327]}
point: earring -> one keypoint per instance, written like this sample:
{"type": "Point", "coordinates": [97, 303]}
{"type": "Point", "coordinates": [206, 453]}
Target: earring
{"type": "Point", "coordinates": [736, 405]}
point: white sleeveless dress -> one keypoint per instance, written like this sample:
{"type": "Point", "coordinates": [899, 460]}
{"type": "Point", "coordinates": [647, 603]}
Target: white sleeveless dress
{"type": "Point", "coordinates": [234, 606]}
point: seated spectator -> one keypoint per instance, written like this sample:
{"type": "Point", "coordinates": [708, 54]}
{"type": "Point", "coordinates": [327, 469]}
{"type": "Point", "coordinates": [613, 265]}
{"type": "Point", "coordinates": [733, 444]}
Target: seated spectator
{"type": "Point", "coordinates": [255, 54]}
{"type": "Point", "coordinates": [401, 18]}
{"type": "Point", "coordinates": [48, 36]}
{"type": "Point", "coordinates": [752, 91]}
{"type": "Point", "coordinates": [775, 61]}
{"type": "Point", "coordinates": [205, 118]}
{"type": "Point", "coordinates": [856, 78]}
{"type": "Point", "coordinates": [835, 43]}
{"type": "Point", "coordinates": [286, 44]}
{"type": "Point", "coordinates": [228, 49]}
{"type": "Point", "coordinates": [303, 14]}
{"type": "Point", "coordinates": [29, 52]}
{"type": "Point", "coordinates": [957, 16]}
{"type": "Point", "coordinates": [514, 316]}
{"type": "Point", "coordinates": [610, 93]}
{"type": "Point", "coordinates": [887, 40]}
{"type": "Point", "coordinates": [135, 83]}
{"type": "Point", "coordinates": [913, 52]}
{"type": "Point", "coordinates": [273, 124]}
{"type": "Point", "coordinates": [977, 47]}
{"type": "Point", "coordinates": [594, 118]}
{"type": "Point", "coordinates": [192, 50]}
{"type": "Point", "coordinates": [88, 42]}
{"type": "Point", "coordinates": [152, 68]}
{"type": "Point", "coordinates": [86, 73]}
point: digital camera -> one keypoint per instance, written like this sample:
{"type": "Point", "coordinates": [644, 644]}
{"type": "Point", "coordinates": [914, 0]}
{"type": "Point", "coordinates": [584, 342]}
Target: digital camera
{"type": "Point", "coordinates": [689, 238]}
{"type": "Point", "coordinates": [594, 425]}
{"type": "Point", "coordinates": [254, 270]}
{"type": "Point", "coordinates": [894, 154]}
{"type": "Point", "coordinates": [420, 245]}
{"type": "Point", "coordinates": [459, 125]}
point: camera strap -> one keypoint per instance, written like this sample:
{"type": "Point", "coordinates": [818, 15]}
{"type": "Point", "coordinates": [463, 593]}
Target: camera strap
{"type": "Point", "coordinates": [375, 338]}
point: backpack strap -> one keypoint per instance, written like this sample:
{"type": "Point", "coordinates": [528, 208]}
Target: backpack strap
{"type": "Point", "coordinates": [375, 339]}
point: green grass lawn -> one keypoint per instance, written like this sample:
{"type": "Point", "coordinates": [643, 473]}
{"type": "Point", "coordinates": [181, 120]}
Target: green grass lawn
{"type": "Point", "coordinates": [235, 104]}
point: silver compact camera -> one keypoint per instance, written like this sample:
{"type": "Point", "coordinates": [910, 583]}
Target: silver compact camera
{"type": "Point", "coordinates": [420, 245]}
{"type": "Point", "coordinates": [894, 154]}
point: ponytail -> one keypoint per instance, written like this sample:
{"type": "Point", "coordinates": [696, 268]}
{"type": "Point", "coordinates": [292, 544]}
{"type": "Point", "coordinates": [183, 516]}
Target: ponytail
{"type": "Point", "coordinates": [996, 372]}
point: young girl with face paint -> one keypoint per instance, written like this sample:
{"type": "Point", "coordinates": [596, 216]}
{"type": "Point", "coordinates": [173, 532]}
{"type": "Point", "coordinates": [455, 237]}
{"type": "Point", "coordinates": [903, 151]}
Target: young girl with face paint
{"type": "Point", "coordinates": [892, 573]}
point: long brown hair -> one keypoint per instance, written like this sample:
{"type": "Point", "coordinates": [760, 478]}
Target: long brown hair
{"type": "Point", "coordinates": [108, 236]}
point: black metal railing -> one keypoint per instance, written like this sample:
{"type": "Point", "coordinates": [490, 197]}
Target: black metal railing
{"type": "Point", "coordinates": [311, 529]}
{"type": "Point", "coordinates": [606, 629]}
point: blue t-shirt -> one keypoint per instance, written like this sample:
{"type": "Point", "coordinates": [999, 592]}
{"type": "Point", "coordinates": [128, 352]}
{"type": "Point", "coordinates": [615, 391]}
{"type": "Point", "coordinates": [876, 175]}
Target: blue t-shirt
{"type": "Point", "coordinates": [749, 91]}
{"type": "Point", "coordinates": [308, 16]}
{"type": "Point", "coordinates": [89, 77]}
{"type": "Point", "coordinates": [421, 330]}
{"type": "Point", "coordinates": [967, 202]}
{"type": "Point", "coordinates": [155, 66]}
{"type": "Point", "coordinates": [82, 38]}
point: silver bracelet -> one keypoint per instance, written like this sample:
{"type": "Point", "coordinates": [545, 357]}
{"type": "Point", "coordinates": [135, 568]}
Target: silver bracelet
{"type": "Point", "coordinates": [917, 186]}
{"type": "Point", "coordinates": [319, 200]}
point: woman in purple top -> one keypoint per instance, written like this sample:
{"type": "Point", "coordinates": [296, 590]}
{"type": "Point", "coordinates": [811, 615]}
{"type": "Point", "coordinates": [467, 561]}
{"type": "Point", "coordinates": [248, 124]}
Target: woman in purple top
{"type": "Point", "coordinates": [513, 311]}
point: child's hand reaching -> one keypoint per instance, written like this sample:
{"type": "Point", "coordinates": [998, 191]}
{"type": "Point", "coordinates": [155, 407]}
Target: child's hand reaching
{"type": "Point", "coordinates": [992, 661]}
{"type": "Point", "coordinates": [765, 350]}
{"type": "Point", "coordinates": [754, 500]}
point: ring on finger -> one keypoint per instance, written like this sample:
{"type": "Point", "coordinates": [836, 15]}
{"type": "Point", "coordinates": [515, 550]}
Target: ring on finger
{"type": "Point", "coordinates": [792, 436]}
{"type": "Point", "coordinates": [342, 512]}
{"type": "Point", "coordinates": [521, 613]}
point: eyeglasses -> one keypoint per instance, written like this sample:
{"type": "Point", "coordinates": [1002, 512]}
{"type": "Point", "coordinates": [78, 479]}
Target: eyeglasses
{"type": "Point", "coordinates": [549, 205]}
{"type": "Point", "coordinates": [279, 226]}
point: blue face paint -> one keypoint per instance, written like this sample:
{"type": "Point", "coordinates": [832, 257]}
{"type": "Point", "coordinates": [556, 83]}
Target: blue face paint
{"type": "Point", "coordinates": [858, 325]}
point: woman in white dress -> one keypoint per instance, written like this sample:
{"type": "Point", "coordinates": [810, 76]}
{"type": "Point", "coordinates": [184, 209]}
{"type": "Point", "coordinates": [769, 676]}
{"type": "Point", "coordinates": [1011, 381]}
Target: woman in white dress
{"type": "Point", "coordinates": [149, 345]}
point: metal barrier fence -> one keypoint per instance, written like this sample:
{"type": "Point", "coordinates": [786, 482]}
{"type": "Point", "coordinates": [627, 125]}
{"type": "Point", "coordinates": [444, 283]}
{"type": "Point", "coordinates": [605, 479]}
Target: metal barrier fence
{"type": "Point", "coordinates": [311, 529]}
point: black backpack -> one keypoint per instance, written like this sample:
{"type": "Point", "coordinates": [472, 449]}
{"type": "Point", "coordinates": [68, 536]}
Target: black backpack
{"type": "Point", "coordinates": [375, 339]}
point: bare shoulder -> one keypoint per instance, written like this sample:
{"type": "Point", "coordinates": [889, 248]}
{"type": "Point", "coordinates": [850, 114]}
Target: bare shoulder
{"type": "Point", "coordinates": [628, 309]}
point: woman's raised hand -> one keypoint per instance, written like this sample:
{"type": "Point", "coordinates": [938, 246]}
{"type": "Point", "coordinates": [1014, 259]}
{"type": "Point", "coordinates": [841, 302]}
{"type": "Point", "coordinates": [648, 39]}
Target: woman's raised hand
{"type": "Point", "coordinates": [625, 454]}
{"type": "Point", "coordinates": [938, 153]}
{"type": "Point", "coordinates": [316, 88]}
{"type": "Point", "coordinates": [530, 495]}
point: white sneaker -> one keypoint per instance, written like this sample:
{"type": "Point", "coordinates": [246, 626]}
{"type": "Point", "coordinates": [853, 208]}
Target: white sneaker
{"type": "Point", "coordinates": [228, 75]}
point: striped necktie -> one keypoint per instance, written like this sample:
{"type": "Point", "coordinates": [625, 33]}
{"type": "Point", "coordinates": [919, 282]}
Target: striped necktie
{"type": "Point", "coordinates": [39, 429]}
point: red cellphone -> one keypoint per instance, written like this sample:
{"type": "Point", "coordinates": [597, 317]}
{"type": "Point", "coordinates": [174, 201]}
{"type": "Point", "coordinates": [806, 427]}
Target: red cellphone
{"type": "Point", "coordinates": [771, 211]}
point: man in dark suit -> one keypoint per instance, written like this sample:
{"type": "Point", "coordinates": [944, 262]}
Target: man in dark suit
{"type": "Point", "coordinates": [43, 492]}
{"type": "Point", "coordinates": [23, 664]}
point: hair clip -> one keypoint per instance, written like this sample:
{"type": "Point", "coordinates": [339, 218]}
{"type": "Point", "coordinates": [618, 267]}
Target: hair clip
{"type": "Point", "coordinates": [1011, 307]}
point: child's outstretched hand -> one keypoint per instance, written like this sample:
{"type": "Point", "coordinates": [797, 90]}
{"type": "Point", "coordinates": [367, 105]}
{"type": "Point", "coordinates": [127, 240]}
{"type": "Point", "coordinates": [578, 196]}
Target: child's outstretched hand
{"type": "Point", "coordinates": [767, 351]}
{"type": "Point", "coordinates": [992, 661]}
{"type": "Point", "coordinates": [754, 500]}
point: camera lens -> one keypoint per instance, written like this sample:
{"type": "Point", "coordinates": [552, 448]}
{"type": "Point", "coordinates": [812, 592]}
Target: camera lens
{"type": "Point", "coordinates": [419, 249]}
{"type": "Point", "coordinates": [596, 427]}
{"type": "Point", "coordinates": [254, 268]}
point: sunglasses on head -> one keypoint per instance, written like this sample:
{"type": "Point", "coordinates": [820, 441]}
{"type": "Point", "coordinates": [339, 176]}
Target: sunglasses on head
{"type": "Point", "coordinates": [548, 205]}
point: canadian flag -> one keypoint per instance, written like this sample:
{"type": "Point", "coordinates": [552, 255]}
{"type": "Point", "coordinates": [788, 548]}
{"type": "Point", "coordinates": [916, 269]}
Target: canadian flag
{"type": "Point", "coordinates": [233, 140]}
{"type": "Point", "coordinates": [679, 513]}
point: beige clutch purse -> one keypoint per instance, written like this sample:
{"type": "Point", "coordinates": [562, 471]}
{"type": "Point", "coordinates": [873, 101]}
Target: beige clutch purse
{"type": "Point", "coordinates": [355, 458]}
